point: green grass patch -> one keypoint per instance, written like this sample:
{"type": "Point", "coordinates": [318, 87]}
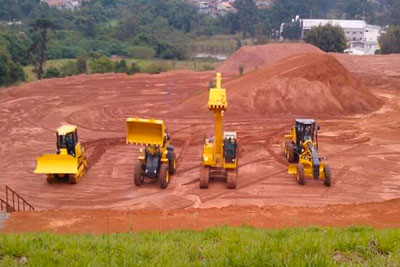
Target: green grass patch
{"type": "Point", "coordinates": [224, 246]}
{"type": "Point", "coordinates": [145, 65]}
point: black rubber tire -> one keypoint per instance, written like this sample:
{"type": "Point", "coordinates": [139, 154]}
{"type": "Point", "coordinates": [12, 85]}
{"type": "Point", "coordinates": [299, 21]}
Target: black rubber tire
{"type": "Point", "coordinates": [171, 163]}
{"type": "Point", "coordinates": [231, 180]}
{"type": "Point", "coordinates": [164, 176]}
{"type": "Point", "coordinates": [72, 179]}
{"type": "Point", "coordinates": [138, 175]}
{"type": "Point", "coordinates": [327, 171]}
{"type": "Point", "coordinates": [300, 174]}
{"type": "Point", "coordinates": [291, 154]}
{"type": "Point", "coordinates": [51, 178]}
{"type": "Point", "coordinates": [204, 177]}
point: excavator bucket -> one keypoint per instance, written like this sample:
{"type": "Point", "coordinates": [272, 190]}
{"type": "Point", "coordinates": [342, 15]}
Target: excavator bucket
{"type": "Point", "coordinates": [145, 131]}
{"type": "Point", "coordinates": [57, 164]}
{"type": "Point", "coordinates": [292, 169]}
{"type": "Point", "coordinates": [217, 96]}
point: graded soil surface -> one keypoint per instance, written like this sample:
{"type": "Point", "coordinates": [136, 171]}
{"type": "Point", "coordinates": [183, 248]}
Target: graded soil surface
{"type": "Point", "coordinates": [363, 148]}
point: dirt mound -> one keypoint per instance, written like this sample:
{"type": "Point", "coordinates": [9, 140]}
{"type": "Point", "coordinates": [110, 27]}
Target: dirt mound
{"type": "Point", "coordinates": [305, 84]}
{"type": "Point", "coordinates": [252, 57]}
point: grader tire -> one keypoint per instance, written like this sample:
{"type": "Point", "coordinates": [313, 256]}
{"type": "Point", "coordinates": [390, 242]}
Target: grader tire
{"type": "Point", "coordinates": [327, 171]}
{"type": "Point", "coordinates": [291, 154]}
{"type": "Point", "coordinates": [138, 176]}
{"type": "Point", "coordinates": [300, 174]}
{"type": "Point", "coordinates": [164, 176]}
{"type": "Point", "coordinates": [204, 177]}
{"type": "Point", "coordinates": [231, 179]}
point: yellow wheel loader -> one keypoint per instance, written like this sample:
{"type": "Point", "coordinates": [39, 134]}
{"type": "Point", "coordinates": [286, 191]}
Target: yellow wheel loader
{"type": "Point", "coordinates": [158, 160]}
{"type": "Point", "coordinates": [69, 161]}
{"type": "Point", "coordinates": [301, 151]}
{"type": "Point", "coordinates": [220, 151]}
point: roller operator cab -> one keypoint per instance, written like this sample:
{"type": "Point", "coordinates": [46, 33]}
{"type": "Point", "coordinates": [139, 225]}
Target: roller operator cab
{"type": "Point", "coordinates": [219, 158]}
{"type": "Point", "coordinates": [301, 151]}
{"type": "Point", "coordinates": [157, 158]}
{"type": "Point", "coordinates": [68, 161]}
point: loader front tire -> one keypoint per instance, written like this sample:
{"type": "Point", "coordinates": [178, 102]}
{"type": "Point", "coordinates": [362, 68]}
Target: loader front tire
{"type": "Point", "coordinates": [204, 177]}
{"type": "Point", "coordinates": [51, 178]}
{"type": "Point", "coordinates": [327, 171]}
{"type": "Point", "coordinates": [171, 163]}
{"type": "Point", "coordinates": [138, 176]}
{"type": "Point", "coordinates": [164, 176]}
{"type": "Point", "coordinates": [300, 174]}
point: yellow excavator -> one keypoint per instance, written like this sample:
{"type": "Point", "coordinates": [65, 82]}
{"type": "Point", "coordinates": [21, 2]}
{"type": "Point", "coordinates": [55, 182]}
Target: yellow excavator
{"type": "Point", "coordinates": [219, 158]}
{"type": "Point", "coordinates": [158, 160]}
{"type": "Point", "coordinates": [301, 151]}
{"type": "Point", "coordinates": [70, 159]}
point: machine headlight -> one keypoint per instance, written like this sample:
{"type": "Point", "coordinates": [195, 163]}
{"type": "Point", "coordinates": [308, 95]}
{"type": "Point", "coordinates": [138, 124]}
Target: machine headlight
{"type": "Point", "coordinates": [205, 158]}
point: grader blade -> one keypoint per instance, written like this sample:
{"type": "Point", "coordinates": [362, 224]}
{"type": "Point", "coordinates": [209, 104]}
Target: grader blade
{"type": "Point", "coordinates": [57, 164]}
{"type": "Point", "coordinates": [292, 169]}
{"type": "Point", "coordinates": [145, 131]}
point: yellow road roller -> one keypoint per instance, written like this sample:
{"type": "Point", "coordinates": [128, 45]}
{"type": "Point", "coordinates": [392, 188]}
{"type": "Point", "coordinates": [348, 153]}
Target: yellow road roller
{"type": "Point", "coordinates": [157, 159]}
{"type": "Point", "coordinates": [69, 161]}
{"type": "Point", "coordinates": [301, 151]}
{"type": "Point", "coordinates": [219, 159]}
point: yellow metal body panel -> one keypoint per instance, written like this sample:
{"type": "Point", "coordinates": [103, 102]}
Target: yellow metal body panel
{"type": "Point", "coordinates": [145, 131]}
{"type": "Point", "coordinates": [61, 163]}
{"type": "Point", "coordinates": [57, 164]}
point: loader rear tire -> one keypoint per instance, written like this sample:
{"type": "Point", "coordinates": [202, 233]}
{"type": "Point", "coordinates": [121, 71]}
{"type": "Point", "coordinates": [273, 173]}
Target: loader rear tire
{"type": "Point", "coordinates": [164, 176]}
{"type": "Point", "coordinates": [231, 178]}
{"type": "Point", "coordinates": [300, 174]}
{"type": "Point", "coordinates": [291, 154]}
{"type": "Point", "coordinates": [172, 163]}
{"type": "Point", "coordinates": [327, 171]}
{"type": "Point", "coordinates": [138, 176]}
{"type": "Point", "coordinates": [204, 177]}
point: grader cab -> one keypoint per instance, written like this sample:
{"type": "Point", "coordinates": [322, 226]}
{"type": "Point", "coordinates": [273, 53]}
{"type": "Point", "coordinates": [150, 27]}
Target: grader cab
{"type": "Point", "coordinates": [157, 159]}
{"type": "Point", "coordinates": [220, 151]}
{"type": "Point", "coordinates": [70, 159]}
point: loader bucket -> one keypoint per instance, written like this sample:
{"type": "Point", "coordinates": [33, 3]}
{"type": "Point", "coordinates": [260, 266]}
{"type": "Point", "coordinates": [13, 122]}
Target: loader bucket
{"type": "Point", "coordinates": [57, 164]}
{"type": "Point", "coordinates": [145, 131]}
{"type": "Point", "coordinates": [292, 169]}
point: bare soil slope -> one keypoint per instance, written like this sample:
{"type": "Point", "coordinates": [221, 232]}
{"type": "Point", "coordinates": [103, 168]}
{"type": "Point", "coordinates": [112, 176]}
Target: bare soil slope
{"type": "Point", "coordinates": [253, 57]}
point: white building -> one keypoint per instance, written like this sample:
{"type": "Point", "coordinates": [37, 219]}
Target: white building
{"type": "Point", "coordinates": [362, 37]}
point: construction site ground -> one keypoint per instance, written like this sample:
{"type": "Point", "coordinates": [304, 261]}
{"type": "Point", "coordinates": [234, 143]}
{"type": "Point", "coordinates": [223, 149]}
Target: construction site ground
{"type": "Point", "coordinates": [363, 151]}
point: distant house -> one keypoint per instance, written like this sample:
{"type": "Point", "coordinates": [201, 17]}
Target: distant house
{"type": "Point", "coordinates": [362, 37]}
{"type": "Point", "coordinates": [61, 4]}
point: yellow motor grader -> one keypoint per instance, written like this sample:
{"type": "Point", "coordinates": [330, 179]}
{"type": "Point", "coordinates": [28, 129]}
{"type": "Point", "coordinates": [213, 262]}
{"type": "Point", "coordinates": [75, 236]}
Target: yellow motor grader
{"type": "Point", "coordinates": [220, 151]}
{"type": "Point", "coordinates": [70, 159]}
{"type": "Point", "coordinates": [301, 151]}
{"type": "Point", "coordinates": [158, 160]}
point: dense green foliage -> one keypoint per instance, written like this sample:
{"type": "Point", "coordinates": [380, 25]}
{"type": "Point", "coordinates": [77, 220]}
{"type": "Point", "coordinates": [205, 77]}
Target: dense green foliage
{"type": "Point", "coordinates": [327, 38]}
{"type": "Point", "coordinates": [167, 29]}
{"type": "Point", "coordinates": [390, 42]}
{"type": "Point", "coordinates": [213, 247]}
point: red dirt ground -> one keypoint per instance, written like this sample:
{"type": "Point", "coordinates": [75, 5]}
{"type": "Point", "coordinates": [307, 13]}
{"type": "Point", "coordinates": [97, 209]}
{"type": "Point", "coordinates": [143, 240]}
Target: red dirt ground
{"type": "Point", "coordinates": [362, 149]}
{"type": "Point", "coordinates": [251, 57]}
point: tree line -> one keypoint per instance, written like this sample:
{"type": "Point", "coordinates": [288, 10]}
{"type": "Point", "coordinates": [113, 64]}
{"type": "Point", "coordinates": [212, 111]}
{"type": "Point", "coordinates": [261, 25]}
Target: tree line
{"type": "Point", "coordinates": [155, 28]}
